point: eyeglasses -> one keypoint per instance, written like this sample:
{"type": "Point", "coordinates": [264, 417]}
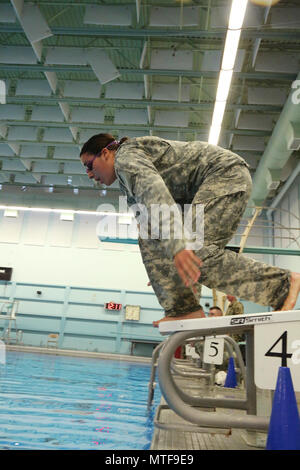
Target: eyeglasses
{"type": "Point", "coordinates": [90, 164]}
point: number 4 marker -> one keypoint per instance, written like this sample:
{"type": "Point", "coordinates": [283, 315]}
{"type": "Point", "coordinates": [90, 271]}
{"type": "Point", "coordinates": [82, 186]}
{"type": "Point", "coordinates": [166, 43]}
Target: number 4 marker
{"type": "Point", "coordinates": [276, 345]}
{"type": "Point", "coordinates": [284, 355]}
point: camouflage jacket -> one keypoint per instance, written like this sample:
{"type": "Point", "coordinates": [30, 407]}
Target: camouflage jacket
{"type": "Point", "coordinates": [235, 308]}
{"type": "Point", "coordinates": [151, 170]}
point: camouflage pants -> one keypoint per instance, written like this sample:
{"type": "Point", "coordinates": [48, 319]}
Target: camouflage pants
{"type": "Point", "coordinates": [222, 269]}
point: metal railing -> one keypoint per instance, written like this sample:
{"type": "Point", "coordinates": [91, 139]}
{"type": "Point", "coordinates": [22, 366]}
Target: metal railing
{"type": "Point", "coordinates": [8, 313]}
{"type": "Point", "coordinates": [185, 405]}
{"type": "Point", "coordinates": [186, 369]}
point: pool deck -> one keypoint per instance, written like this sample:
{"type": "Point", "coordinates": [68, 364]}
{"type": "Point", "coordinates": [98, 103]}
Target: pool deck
{"type": "Point", "coordinates": [205, 438]}
{"type": "Point", "coordinates": [226, 439]}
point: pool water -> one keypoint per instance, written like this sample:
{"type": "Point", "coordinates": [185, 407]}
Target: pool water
{"type": "Point", "coordinates": [74, 403]}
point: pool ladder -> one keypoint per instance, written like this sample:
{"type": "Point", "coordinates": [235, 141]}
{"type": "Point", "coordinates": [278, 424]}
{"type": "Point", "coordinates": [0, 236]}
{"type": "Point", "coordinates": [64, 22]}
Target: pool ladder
{"type": "Point", "coordinates": [8, 313]}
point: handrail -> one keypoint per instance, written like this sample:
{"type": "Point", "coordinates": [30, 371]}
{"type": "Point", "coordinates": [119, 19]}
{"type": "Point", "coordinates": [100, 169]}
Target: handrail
{"type": "Point", "coordinates": [230, 344]}
{"type": "Point", "coordinates": [192, 400]}
{"type": "Point", "coordinates": [9, 304]}
{"type": "Point", "coordinates": [192, 373]}
{"type": "Point", "coordinates": [175, 397]}
{"type": "Point", "coordinates": [151, 384]}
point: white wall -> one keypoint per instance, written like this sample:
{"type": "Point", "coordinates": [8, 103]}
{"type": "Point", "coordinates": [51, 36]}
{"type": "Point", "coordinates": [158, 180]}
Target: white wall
{"type": "Point", "coordinates": [41, 248]}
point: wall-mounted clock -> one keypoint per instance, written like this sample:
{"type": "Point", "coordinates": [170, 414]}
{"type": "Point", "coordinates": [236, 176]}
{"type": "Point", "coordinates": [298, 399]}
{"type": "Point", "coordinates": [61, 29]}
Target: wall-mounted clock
{"type": "Point", "coordinates": [132, 312]}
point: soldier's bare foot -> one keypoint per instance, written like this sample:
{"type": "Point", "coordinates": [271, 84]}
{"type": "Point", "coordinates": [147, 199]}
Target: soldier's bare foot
{"type": "Point", "coordinates": [294, 291]}
{"type": "Point", "coordinates": [188, 316]}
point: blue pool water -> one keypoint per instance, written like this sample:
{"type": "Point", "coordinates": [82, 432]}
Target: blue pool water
{"type": "Point", "coordinates": [74, 403]}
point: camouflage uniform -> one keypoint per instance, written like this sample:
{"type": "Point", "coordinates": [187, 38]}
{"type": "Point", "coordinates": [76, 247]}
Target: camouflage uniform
{"type": "Point", "coordinates": [151, 170]}
{"type": "Point", "coordinates": [236, 308]}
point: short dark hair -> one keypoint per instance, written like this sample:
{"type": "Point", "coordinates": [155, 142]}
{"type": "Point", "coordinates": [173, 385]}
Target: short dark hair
{"type": "Point", "coordinates": [215, 308]}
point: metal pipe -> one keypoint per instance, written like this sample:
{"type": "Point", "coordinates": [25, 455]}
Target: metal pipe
{"type": "Point", "coordinates": [238, 356]}
{"type": "Point", "coordinates": [191, 414]}
{"type": "Point", "coordinates": [207, 402]}
{"type": "Point", "coordinates": [151, 384]}
{"type": "Point", "coordinates": [138, 33]}
{"type": "Point", "coordinates": [250, 384]}
{"type": "Point", "coordinates": [283, 190]}
{"type": "Point", "coordinates": [195, 374]}
{"type": "Point", "coordinates": [277, 152]}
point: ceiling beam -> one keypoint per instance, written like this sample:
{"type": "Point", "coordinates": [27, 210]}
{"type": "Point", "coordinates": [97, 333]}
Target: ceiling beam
{"type": "Point", "coordinates": [118, 102]}
{"type": "Point", "coordinates": [124, 127]}
{"type": "Point", "coordinates": [252, 33]}
{"type": "Point", "coordinates": [21, 68]}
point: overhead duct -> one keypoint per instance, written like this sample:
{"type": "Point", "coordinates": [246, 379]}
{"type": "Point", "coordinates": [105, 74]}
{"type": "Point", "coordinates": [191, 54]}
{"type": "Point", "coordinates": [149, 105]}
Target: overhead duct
{"type": "Point", "coordinates": [294, 138]}
{"type": "Point", "coordinates": [284, 140]}
{"type": "Point", "coordinates": [283, 190]}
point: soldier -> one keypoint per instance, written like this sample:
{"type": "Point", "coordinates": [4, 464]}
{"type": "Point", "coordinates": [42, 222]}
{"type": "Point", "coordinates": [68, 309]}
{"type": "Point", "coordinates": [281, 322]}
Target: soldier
{"type": "Point", "coordinates": [235, 308]}
{"type": "Point", "coordinates": [154, 171]}
{"type": "Point", "coordinates": [215, 312]}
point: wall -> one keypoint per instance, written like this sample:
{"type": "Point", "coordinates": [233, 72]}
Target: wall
{"type": "Point", "coordinates": [77, 275]}
{"type": "Point", "coordinates": [44, 249]}
{"type": "Point", "coordinates": [79, 316]}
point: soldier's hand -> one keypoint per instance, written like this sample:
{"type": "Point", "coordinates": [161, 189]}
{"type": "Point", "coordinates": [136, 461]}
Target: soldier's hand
{"type": "Point", "coordinates": [187, 265]}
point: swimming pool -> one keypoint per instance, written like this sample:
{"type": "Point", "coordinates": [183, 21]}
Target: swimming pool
{"type": "Point", "coordinates": [74, 403]}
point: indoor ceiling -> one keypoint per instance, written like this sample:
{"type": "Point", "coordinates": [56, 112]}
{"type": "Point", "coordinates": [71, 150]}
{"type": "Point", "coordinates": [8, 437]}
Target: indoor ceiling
{"type": "Point", "coordinates": [133, 68]}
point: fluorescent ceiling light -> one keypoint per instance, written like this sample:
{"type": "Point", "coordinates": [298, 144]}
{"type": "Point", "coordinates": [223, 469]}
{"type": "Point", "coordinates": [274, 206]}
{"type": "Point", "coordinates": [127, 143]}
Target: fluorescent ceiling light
{"type": "Point", "coordinates": [214, 135]}
{"type": "Point", "coordinates": [225, 78]}
{"type": "Point", "coordinates": [65, 211]}
{"type": "Point", "coordinates": [236, 20]}
{"type": "Point", "coordinates": [10, 213]}
{"type": "Point", "coordinates": [230, 50]}
{"type": "Point", "coordinates": [237, 14]}
{"type": "Point", "coordinates": [218, 115]}
{"type": "Point", "coordinates": [67, 216]}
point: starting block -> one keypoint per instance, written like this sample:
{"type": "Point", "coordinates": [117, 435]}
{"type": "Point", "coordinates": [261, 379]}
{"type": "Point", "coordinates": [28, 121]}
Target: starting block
{"type": "Point", "coordinates": [272, 341]}
{"type": "Point", "coordinates": [230, 323]}
{"type": "Point", "coordinates": [276, 340]}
